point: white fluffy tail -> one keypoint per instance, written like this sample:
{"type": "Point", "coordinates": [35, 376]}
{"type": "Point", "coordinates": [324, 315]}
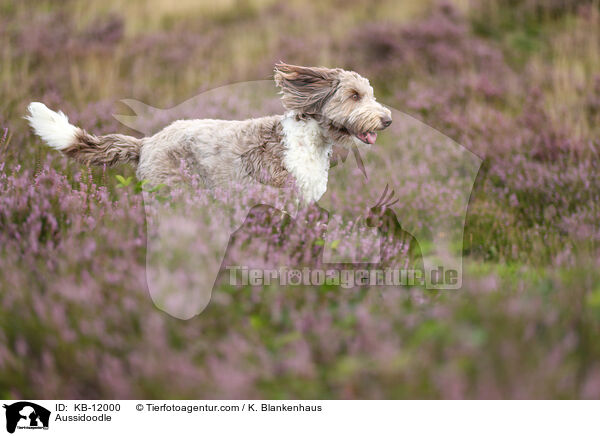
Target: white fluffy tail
{"type": "Point", "coordinates": [53, 127]}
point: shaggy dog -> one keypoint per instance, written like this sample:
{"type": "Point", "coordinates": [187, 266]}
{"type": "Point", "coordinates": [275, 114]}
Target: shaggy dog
{"type": "Point", "coordinates": [323, 107]}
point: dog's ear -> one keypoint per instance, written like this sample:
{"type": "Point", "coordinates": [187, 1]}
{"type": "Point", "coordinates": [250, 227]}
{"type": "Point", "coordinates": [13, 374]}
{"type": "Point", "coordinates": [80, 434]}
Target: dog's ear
{"type": "Point", "coordinates": [306, 89]}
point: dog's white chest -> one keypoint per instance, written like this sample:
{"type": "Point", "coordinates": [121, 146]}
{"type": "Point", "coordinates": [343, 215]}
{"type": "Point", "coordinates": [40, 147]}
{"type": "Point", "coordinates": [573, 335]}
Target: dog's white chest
{"type": "Point", "coordinates": [306, 157]}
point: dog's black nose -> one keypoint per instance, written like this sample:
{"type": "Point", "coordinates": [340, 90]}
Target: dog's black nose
{"type": "Point", "coordinates": [386, 121]}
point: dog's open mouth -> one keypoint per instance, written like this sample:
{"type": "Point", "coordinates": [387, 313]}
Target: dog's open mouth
{"type": "Point", "coordinates": [367, 137]}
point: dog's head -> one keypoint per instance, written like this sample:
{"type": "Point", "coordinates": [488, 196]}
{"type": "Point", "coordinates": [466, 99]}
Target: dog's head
{"type": "Point", "coordinates": [342, 101]}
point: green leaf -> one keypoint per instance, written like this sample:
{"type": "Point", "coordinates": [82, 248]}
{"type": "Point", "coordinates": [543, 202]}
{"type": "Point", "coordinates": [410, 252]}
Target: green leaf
{"type": "Point", "coordinates": [156, 188]}
{"type": "Point", "coordinates": [123, 181]}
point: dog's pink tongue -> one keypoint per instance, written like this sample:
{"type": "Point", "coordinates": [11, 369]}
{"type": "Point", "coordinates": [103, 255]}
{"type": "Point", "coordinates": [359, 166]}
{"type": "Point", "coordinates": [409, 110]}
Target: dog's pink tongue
{"type": "Point", "coordinates": [371, 137]}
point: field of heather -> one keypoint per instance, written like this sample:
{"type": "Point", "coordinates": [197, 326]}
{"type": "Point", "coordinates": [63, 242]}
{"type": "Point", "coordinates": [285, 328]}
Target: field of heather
{"type": "Point", "coordinates": [515, 82]}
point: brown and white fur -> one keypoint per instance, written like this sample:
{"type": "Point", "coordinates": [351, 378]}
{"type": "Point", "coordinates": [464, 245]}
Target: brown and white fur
{"type": "Point", "coordinates": [323, 107]}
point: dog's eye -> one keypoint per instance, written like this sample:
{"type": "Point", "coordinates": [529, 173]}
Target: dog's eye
{"type": "Point", "coordinates": [355, 96]}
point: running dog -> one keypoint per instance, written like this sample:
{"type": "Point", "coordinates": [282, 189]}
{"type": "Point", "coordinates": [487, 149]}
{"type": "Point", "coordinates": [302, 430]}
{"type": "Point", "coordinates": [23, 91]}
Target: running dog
{"type": "Point", "coordinates": [324, 107]}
